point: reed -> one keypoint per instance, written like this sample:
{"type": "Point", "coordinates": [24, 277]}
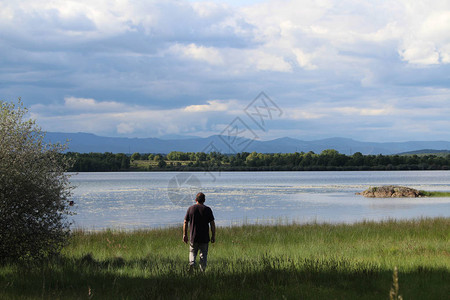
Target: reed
{"type": "Point", "coordinates": [394, 292]}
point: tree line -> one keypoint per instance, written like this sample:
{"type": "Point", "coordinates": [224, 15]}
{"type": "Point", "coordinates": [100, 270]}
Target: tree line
{"type": "Point", "coordinates": [327, 160]}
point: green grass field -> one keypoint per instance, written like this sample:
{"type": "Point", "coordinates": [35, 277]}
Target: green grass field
{"type": "Point", "coordinates": [314, 261]}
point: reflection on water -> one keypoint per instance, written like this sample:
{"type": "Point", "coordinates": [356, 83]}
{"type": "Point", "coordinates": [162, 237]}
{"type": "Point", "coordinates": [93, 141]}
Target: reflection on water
{"type": "Point", "coordinates": [139, 200]}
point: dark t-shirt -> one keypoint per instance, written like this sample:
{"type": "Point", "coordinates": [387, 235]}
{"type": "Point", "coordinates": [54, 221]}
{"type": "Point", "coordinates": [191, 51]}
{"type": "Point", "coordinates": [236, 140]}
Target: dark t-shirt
{"type": "Point", "coordinates": [199, 216]}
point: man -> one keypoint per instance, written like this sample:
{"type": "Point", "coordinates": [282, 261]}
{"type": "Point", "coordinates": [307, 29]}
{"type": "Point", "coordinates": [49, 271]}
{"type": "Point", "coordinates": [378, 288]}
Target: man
{"type": "Point", "coordinates": [199, 217]}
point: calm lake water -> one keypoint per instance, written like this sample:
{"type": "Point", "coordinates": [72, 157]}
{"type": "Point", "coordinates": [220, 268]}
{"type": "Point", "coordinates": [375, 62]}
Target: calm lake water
{"type": "Point", "coordinates": [157, 199]}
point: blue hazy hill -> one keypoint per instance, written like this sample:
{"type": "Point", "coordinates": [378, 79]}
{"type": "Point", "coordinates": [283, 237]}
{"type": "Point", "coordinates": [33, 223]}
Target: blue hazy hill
{"type": "Point", "coordinates": [88, 142]}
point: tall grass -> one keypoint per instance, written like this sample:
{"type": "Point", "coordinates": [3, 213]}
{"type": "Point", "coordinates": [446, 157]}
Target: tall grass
{"type": "Point", "coordinates": [313, 261]}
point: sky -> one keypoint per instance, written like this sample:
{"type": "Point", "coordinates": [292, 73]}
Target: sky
{"type": "Point", "coordinates": [367, 70]}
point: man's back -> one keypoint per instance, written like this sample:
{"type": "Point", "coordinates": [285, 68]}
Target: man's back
{"type": "Point", "coordinates": [199, 216]}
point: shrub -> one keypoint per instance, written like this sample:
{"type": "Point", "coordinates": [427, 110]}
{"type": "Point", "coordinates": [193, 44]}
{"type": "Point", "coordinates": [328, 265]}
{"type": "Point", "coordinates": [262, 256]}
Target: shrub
{"type": "Point", "coordinates": [34, 188]}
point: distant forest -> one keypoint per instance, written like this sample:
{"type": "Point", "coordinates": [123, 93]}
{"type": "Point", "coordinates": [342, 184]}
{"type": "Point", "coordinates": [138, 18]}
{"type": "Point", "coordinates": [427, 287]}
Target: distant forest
{"type": "Point", "coordinates": [327, 160]}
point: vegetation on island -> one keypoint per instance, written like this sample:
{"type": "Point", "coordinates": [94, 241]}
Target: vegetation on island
{"type": "Point", "coordinates": [434, 194]}
{"type": "Point", "coordinates": [327, 160]}
{"type": "Point", "coordinates": [277, 261]}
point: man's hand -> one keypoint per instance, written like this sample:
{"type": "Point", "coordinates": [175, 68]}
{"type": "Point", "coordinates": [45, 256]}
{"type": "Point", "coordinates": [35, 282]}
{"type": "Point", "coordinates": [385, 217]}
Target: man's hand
{"type": "Point", "coordinates": [213, 231]}
{"type": "Point", "coordinates": [185, 226]}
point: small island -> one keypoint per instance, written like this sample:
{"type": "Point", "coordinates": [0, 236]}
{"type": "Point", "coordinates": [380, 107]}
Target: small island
{"type": "Point", "coordinates": [394, 191]}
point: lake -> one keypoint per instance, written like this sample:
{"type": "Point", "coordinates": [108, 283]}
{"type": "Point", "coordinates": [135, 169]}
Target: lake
{"type": "Point", "coordinates": [132, 200]}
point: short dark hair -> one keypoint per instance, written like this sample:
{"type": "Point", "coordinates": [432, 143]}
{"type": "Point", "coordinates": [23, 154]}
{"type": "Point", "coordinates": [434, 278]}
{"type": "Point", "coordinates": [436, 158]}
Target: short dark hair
{"type": "Point", "coordinates": [200, 198]}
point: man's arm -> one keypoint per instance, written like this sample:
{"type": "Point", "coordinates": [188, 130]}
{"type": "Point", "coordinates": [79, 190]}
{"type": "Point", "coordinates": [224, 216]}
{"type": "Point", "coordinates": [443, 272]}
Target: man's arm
{"type": "Point", "coordinates": [185, 227]}
{"type": "Point", "coordinates": [213, 231]}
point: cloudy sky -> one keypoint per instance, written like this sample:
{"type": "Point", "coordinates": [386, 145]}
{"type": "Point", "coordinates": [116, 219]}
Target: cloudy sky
{"type": "Point", "coordinates": [368, 70]}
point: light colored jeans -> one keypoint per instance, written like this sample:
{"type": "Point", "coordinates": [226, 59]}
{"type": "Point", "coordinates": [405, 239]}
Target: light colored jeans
{"type": "Point", "coordinates": [193, 250]}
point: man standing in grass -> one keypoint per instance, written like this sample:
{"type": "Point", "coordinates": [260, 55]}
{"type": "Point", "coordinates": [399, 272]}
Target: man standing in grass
{"type": "Point", "coordinates": [199, 217]}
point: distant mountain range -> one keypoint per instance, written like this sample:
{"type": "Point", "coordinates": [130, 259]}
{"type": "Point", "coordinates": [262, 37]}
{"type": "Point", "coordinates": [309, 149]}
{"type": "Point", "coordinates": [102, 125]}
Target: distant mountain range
{"type": "Point", "coordinates": [426, 151]}
{"type": "Point", "coordinates": [87, 142]}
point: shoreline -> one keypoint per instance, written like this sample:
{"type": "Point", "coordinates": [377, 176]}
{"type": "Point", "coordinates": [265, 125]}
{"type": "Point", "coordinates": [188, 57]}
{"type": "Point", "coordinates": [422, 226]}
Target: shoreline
{"type": "Point", "coordinates": [261, 225]}
{"type": "Point", "coordinates": [319, 169]}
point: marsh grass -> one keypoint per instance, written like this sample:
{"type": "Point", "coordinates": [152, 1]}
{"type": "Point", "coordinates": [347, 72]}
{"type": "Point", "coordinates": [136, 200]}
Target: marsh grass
{"type": "Point", "coordinates": [313, 261]}
{"type": "Point", "coordinates": [434, 194]}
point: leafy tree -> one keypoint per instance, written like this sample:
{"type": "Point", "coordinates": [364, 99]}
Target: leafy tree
{"type": "Point", "coordinates": [201, 156]}
{"type": "Point", "coordinates": [252, 159]}
{"type": "Point", "coordinates": [124, 161]}
{"type": "Point", "coordinates": [162, 163]}
{"type": "Point", "coordinates": [357, 159]}
{"type": "Point", "coordinates": [34, 188]}
{"type": "Point", "coordinates": [136, 156]}
{"type": "Point", "coordinates": [178, 155]}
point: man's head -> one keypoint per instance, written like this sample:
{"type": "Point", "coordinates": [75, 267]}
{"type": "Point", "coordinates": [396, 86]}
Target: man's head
{"type": "Point", "coordinates": [200, 198]}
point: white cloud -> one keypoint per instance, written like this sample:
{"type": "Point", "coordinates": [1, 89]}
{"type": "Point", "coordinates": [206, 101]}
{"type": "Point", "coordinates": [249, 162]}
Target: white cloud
{"type": "Point", "coordinates": [391, 31]}
{"type": "Point", "coordinates": [420, 52]}
{"type": "Point", "coordinates": [201, 53]}
{"type": "Point", "coordinates": [89, 104]}
{"type": "Point", "coordinates": [365, 111]}
{"type": "Point", "coordinates": [426, 32]}
{"type": "Point", "coordinates": [421, 31]}
{"type": "Point", "coordinates": [125, 128]}
{"type": "Point", "coordinates": [209, 9]}
{"type": "Point", "coordinates": [306, 113]}
{"type": "Point", "coordinates": [264, 61]}
{"type": "Point", "coordinates": [304, 59]}
{"type": "Point", "coordinates": [213, 105]}
{"type": "Point", "coordinates": [437, 26]}
{"type": "Point", "coordinates": [234, 60]}
{"type": "Point", "coordinates": [445, 54]}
